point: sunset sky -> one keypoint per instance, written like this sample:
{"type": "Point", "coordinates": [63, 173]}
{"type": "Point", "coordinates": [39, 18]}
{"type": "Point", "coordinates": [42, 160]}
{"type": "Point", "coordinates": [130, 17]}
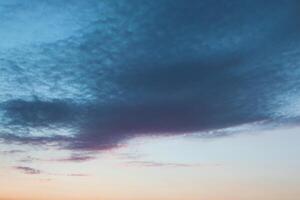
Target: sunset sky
{"type": "Point", "coordinates": [149, 100]}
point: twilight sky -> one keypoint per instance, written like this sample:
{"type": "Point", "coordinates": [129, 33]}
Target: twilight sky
{"type": "Point", "coordinates": [149, 100]}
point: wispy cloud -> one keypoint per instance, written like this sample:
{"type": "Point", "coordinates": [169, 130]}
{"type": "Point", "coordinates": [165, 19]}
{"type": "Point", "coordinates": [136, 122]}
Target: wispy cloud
{"type": "Point", "coordinates": [29, 159]}
{"type": "Point", "coordinates": [12, 152]}
{"type": "Point", "coordinates": [140, 160]}
{"type": "Point", "coordinates": [34, 171]}
{"type": "Point", "coordinates": [167, 164]}
{"type": "Point", "coordinates": [75, 158]}
{"type": "Point", "coordinates": [72, 158]}
{"type": "Point", "coordinates": [28, 170]}
{"type": "Point", "coordinates": [78, 175]}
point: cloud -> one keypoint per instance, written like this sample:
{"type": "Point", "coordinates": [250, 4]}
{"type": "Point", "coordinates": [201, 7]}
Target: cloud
{"type": "Point", "coordinates": [78, 175]}
{"type": "Point", "coordinates": [37, 113]}
{"type": "Point", "coordinates": [75, 158]}
{"type": "Point", "coordinates": [172, 68]}
{"type": "Point", "coordinates": [29, 159]}
{"type": "Point", "coordinates": [33, 171]}
{"type": "Point", "coordinates": [12, 152]}
{"type": "Point", "coordinates": [136, 159]}
{"type": "Point", "coordinates": [35, 140]}
{"type": "Point", "coordinates": [166, 164]}
{"type": "Point", "coordinates": [28, 170]}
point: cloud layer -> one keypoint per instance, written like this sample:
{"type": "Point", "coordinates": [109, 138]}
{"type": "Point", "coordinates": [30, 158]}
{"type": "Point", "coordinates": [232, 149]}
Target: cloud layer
{"type": "Point", "coordinates": [28, 170]}
{"type": "Point", "coordinates": [99, 72]}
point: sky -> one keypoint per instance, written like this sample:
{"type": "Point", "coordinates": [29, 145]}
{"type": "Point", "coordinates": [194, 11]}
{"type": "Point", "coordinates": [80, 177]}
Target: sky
{"type": "Point", "coordinates": [149, 100]}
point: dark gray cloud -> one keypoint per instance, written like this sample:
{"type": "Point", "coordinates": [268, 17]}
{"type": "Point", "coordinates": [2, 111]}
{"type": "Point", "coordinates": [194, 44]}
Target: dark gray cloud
{"type": "Point", "coordinates": [120, 69]}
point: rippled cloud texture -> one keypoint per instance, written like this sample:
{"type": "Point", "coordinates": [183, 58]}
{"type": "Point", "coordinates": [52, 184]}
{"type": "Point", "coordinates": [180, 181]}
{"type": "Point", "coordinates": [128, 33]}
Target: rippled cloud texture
{"type": "Point", "coordinates": [90, 74]}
